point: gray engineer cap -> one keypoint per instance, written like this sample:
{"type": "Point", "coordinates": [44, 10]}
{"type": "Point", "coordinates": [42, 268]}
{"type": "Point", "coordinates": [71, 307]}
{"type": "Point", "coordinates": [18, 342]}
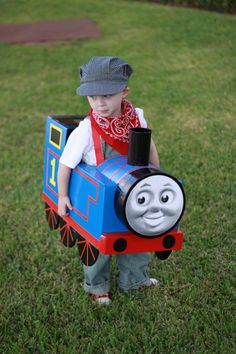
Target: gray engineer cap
{"type": "Point", "coordinates": [103, 76]}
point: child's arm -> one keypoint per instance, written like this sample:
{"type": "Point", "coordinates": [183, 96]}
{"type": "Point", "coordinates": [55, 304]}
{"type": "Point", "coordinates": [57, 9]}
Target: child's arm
{"type": "Point", "coordinates": [63, 183]}
{"type": "Point", "coordinates": [154, 157]}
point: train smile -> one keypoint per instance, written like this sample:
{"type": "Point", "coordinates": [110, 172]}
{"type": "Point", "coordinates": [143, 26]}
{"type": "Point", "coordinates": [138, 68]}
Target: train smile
{"type": "Point", "coordinates": [153, 216]}
{"type": "Point", "coordinates": [153, 219]}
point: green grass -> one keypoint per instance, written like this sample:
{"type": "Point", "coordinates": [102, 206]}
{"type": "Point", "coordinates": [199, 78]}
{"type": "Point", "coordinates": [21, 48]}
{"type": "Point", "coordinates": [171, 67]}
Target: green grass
{"type": "Point", "coordinates": [184, 77]}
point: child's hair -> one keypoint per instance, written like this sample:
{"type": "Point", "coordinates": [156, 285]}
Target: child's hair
{"type": "Point", "coordinates": [103, 76]}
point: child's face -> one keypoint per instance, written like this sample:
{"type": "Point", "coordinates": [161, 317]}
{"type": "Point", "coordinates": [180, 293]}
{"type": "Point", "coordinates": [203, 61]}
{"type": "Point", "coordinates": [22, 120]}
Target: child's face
{"type": "Point", "coordinates": [109, 105]}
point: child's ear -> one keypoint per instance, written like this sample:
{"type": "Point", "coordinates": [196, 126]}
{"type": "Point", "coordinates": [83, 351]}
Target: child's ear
{"type": "Point", "coordinates": [125, 92]}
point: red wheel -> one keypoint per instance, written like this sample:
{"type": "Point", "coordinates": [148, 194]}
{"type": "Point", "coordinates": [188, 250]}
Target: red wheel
{"type": "Point", "coordinates": [52, 218]}
{"type": "Point", "coordinates": [67, 234]}
{"type": "Point", "coordinates": [88, 253]}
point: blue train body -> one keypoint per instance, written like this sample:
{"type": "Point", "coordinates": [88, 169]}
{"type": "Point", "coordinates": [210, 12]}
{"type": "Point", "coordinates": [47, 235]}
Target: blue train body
{"type": "Point", "coordinates": [91, 192]}
{"type": "Point", "coordinates": [94, 220]}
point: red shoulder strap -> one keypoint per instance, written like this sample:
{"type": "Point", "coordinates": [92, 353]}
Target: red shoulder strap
{"type": "Point", "coordinates": [97, 144]}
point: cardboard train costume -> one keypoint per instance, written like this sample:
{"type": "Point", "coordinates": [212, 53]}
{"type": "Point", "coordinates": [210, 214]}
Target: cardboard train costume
{"type": "Point", "coordinates": [123, 205]}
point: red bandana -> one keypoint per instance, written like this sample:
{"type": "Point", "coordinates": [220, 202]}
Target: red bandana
{"type": "Point", "coordinates": [115, 130]}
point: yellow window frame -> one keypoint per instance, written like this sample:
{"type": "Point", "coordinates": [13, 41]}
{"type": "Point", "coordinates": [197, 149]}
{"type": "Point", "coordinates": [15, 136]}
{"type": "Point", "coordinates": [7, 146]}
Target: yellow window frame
{"type": "Point", "coordinates": [52, 126]}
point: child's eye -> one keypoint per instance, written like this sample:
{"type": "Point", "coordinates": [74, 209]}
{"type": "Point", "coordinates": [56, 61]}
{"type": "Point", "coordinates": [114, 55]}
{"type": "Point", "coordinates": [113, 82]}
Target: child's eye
{"type": "Point", "coordinates": [107, 96]}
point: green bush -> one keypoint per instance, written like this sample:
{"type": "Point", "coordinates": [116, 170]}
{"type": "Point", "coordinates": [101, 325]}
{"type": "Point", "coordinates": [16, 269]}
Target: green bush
{"type": "Point", "coordinates": [227, 6]}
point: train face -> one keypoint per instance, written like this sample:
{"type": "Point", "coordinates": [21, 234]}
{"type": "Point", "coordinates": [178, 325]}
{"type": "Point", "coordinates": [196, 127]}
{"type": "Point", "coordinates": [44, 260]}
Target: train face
{"type": "Point", "coordinates": [118, 208]}
{"type": "Point", "coordinates": [154, 205]}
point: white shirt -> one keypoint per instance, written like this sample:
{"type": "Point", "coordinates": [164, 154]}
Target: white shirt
{"type": "Point", "coordinates": [80, 146]}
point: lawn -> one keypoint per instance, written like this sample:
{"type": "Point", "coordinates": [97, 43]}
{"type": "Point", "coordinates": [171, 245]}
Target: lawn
{"type": "Point", "coordinates": [184, 78]}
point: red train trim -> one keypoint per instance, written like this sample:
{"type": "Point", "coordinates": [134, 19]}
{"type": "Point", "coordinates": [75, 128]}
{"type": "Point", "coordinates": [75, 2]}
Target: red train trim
{"type": "Point", "coordinates": [137, 244]}
{"type": "Point", "coordinates": [113, 173]}
{"type": "Point", "coordinates": [73, 224]}
{"type": "Point", "coordinates": [113, 163]}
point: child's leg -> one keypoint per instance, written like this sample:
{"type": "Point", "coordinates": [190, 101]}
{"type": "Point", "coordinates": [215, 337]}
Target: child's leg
{"type": "Point", "coordinates": [97, 277]}
{"type": "Point", "coordinates": [133, 270]}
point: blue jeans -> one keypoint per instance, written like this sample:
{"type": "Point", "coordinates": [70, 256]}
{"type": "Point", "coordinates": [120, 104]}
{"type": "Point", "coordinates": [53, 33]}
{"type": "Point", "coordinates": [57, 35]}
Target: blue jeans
{"type": "Point", "coordinates": [133, 273]}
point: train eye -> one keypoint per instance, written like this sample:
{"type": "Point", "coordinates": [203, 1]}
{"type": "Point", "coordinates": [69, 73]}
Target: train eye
{"type": "Point", "coordinates": [141, 200]}
{"type": "Point", "coordinates": [164, 198]}
{"type": "Point", "coordinates": [167, 197]}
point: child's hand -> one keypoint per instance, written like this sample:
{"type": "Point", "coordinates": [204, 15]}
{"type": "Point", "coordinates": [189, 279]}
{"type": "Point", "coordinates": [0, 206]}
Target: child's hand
{"type": "Point", "coordinates": [63, 205]}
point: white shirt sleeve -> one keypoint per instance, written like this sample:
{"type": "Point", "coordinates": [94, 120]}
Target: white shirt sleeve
{"type": "Point", "coordinates": [78, 145]}
{"type": "Point", "coordinates": [142, 120]}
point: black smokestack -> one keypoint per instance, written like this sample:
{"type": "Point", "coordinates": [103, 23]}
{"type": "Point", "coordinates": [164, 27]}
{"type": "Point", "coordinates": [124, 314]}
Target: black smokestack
{"type": "Point", "coordinates": [139, 146]}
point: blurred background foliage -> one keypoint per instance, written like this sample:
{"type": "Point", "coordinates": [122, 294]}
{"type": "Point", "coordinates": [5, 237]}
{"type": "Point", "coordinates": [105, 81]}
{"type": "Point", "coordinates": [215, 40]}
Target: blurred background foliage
{"type": "Point", "coordinates": [225, 6]}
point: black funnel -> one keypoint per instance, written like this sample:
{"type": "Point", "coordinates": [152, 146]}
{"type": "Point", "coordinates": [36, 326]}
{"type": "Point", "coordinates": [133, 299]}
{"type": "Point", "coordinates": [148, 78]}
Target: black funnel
{"type": "Point", "coordinates": [139, 146]}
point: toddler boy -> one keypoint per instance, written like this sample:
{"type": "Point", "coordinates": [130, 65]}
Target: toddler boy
{"type": "Point", "coordinates": [104, 80]}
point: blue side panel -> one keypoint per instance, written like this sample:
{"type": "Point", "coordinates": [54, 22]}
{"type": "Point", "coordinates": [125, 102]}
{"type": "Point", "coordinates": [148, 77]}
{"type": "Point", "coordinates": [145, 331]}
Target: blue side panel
{"type": "Point", "coordinates": [55, 139]}
{"type": "Point", "coordinates": [86, 195]}
{"type": "Point", "coordinates": [111, 222]}
{"type": "Point", "coordinates": [92, 193]}
{"type": "Point", "coordinates": [92, 197]}
{"type": "Point", "coordinates": [50, 174]}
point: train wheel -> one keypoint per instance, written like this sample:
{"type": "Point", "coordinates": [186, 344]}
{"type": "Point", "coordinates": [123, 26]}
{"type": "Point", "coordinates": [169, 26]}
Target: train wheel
{"type": "Point", "coordinates": [52, 218]}
{"type": "Point", "coordinates": [88, 253]}
{"type": "Point", "coordinates": [67, 234]}
{"type": "Point", "coordinates": [163, 255]}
